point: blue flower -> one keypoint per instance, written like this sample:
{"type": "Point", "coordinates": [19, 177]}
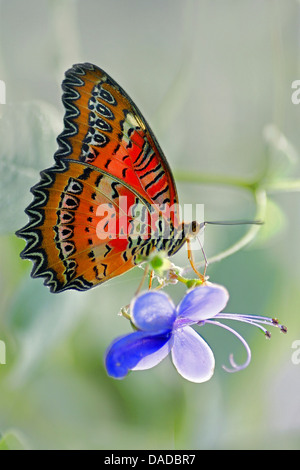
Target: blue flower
{"type": "Point", "coordinates": [161, 328]}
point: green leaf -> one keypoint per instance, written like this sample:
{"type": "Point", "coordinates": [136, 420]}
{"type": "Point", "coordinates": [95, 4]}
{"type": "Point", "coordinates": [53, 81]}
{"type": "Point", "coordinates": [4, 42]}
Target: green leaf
{"type": "Point", "coordinates": [10, 441]}
{"type": "Point", "coordinates": [282, 156]}
{"type": "Point", "coordinates": [39, 321]}
{"type": "Point", "coordinates": [274, 223]}
{"type": "Point", "coordinates": [28, 134]}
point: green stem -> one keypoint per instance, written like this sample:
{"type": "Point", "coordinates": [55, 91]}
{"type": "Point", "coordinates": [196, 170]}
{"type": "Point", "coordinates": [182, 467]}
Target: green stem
{"type": "Point", "coordinates": [260, 196]}
{"type": "Point", "coordinates": [287, 185]}
{"type": "Point", "coordinates": [261, 201]}
{"type": "Point", "coordinates": [200, 178]}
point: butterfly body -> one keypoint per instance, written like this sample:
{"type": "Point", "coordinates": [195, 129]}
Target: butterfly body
{"type": "Point", "coordinates": [109, 198]}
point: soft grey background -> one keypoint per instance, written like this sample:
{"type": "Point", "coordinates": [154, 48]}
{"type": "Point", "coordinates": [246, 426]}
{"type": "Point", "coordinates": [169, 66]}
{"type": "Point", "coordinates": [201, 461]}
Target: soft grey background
{"type": "Point", "coordinates": [208, 76]}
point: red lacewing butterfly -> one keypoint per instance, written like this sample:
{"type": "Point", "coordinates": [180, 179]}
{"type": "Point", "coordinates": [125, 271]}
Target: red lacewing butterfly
{"type": "Point", "coordinates": [107, 157]}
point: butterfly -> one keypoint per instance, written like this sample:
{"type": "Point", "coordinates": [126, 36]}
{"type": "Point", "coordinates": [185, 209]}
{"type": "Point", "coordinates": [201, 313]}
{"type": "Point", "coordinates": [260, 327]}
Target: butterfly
{"type": "Point", "coordinates": [107, 156]}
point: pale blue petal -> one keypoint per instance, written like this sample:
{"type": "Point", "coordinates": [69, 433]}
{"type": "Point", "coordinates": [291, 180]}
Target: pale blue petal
{"type": "Point", "coordinates": [203, 302]}
{"type": "Point", "coordinates": [155, 358]}
{"type": "Point", "coordinates": [192, 356]}
{"type": "Point", "coordinates": [153, 311]}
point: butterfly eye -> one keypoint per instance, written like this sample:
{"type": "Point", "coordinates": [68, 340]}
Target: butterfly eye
{"type": "Point", "coordinates": [195, 227]}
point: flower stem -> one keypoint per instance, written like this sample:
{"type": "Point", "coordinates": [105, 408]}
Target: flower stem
{"type": "Point", "coordinates": [288, 185]}
{"type": "Point", "coordinates": [200, 178]}
{"type": "Point", "coordinates": [260, 201]}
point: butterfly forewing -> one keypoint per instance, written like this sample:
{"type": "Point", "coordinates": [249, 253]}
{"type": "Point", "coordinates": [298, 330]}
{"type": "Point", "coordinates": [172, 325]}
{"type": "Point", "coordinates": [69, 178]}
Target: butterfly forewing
{"type": "Point", "coordinates": [104, 128]}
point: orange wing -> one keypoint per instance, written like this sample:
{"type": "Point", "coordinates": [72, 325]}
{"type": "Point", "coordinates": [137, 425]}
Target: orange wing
{"type": "Point", "coordinates": [106, 152]}
{"type": "Point", "coordinates": [104, 128]}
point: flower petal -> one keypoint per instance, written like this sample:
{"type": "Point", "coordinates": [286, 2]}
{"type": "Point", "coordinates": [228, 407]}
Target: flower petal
{"type": "Point", "coordinates": [126, 352]}
{"type": "Point", "coordinates": [155, 358]}
{"type": "Point", "coordinates": [192, 356]}
{"type": "Point", "coordinates": [203, 302]}
{"type": "Point", "coordinates": [153, 311]}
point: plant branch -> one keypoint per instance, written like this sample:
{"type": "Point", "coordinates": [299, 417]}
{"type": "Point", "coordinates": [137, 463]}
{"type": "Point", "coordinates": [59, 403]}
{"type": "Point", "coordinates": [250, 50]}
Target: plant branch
{"type": "Point", "coordinates": [200, 178]}
{"type": "Point", "coordinates": [288, 185]}
{"type": "Point", "coordinates": [260, 201]}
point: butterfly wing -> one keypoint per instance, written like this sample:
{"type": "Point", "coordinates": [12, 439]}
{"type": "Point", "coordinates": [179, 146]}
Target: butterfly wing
{"type": "Point", "coordinates": [106, 153]}
{"type": "Point", "coordinates": [104, 128]}
{"type": "Point", "coordinates": [72, 244]}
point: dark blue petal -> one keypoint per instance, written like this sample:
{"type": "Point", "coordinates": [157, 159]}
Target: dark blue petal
{"type": "Point", "coordinates": [126, 352]}
{"type": "Point", "coordinates": [153, 311]}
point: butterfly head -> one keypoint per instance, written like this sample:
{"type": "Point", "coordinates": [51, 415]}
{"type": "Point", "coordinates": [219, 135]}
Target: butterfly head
{"type": "Point", "coordinates": [185, 232]}
{"type": "Point", "coordinates": [191, 229]}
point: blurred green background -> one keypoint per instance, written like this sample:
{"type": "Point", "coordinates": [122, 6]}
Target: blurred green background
{"type": "Point", "coordinates": [209, 77]}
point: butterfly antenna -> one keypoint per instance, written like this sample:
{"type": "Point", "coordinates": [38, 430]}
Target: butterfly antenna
{"type": "Point", "coordinates": [234, 222]}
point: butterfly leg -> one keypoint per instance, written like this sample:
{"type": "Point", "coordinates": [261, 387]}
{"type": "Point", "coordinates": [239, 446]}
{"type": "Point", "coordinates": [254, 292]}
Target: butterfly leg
{"type": "Point", "coordinates": [204, 256]}
{"type": "Point", "coordinates": [151, 276]}
{"type": "Point", "coordinates": [146, 270]}
{"type": "Point", "coordinates": [192, 262]}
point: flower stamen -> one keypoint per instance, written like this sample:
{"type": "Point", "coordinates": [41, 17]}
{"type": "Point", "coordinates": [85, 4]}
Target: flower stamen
{"type": "Point", "coordinates": [254, 320]}
{"type": "Point", "coordinates": [235, 366]}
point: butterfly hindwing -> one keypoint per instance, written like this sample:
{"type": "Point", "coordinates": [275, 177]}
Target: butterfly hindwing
{"type": "Point", "coordinates": [74, 244]}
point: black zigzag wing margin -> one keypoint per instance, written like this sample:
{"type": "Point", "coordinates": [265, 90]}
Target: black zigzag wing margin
{"type": "Point", "coordinates": [33, 237]}
{"type": "Point", "coordinates": [72, 79]}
